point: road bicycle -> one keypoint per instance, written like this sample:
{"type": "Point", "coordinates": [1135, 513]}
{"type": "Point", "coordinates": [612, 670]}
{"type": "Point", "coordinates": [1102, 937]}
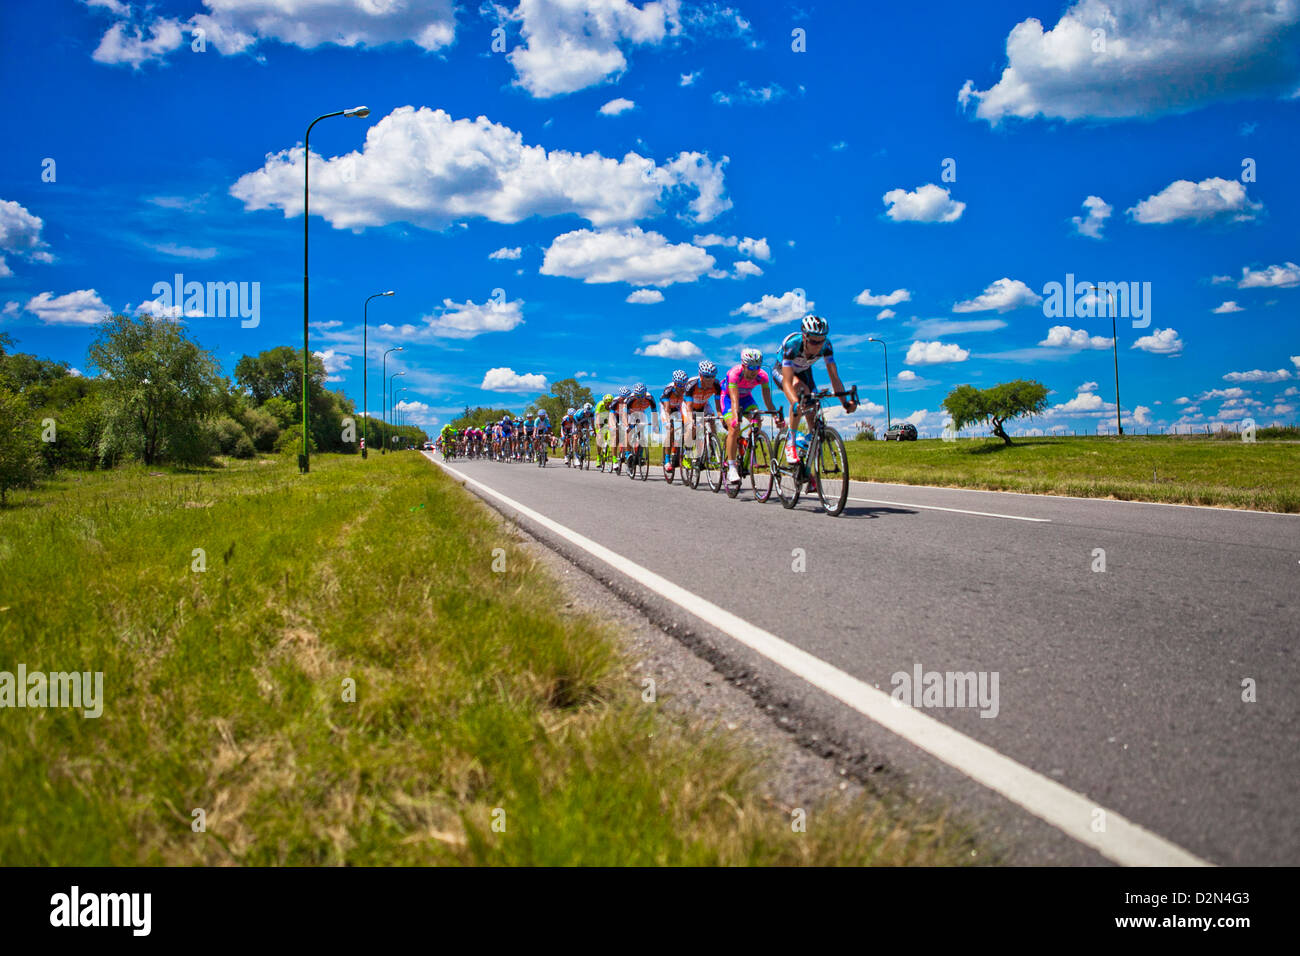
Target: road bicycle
{"type": "Point", "coordinates": [582, 449]}
{"type": "Point", "coordinates": [541, 451]}
{"type": "Point", "coordinates": [672, 456]}
{"type": "Point", "coordinates": [824, 458]}
{"type": "Point", "coordinates": [753, 458]}
{"type": "Point", "coordinates": [706, 459]}
{"type": "Point", "coordinates": [638, 457]}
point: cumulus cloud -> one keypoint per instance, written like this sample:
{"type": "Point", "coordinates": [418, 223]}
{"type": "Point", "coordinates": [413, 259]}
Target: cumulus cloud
{"type": "Point", "coordinates": [83, 307]}
{"type": "Point", "coordinates": [237, 26]}
{"type": "Point", "coordinates": [889, 298]}
{"type": "Point", "coordinates": [508, 380]}
{"type": "Point", "coordinates": [1064, 337]}
{"type": "Point", "coordinates": [573, 44]}
{"type": "Point", "coordinates": [667, 348]}
{"type": "Point", "coordinates": [421, 166]}
{"type": "Point", "coordinates": [1212, 198]}
{"type": "Point", "coordinates": [626, 255]}
{"type": "Point", "coordinates": [935, 353]}
{"type": "Point", "coordinates": [645, 296]}
{"type": "Point", "coordinates": [1002, 296]}
{"type": "Point", "coordinates": [1221, 393]}
{"type": "Point", "coordinates": [907, 375]}
{"type": "Point", "coordinates": [688, 79]}
{"type": "Point", "coordinates": [465, 320]}
{"type": "Point", "coordinates": [777, 308]}
{"type": "Point", "coordinates": [886, 314]}
{"type": "Point", "coordinates": [1228, 306]}
{"type": "Point", "coordinates": [1098, 211]}
{"type": "Point", "coordinates": [747, 94]}
{"type": "Point", "coordinates": [335, 362]}
{"type": "Point", "coordinates": [754, 248]}
{"type": "Point", "coordinates": [20, 234]}
{"type": "Point", "coordinates": [1274, 277]}
{"type": "Point", "coordinates": [1160, 342]}
{"type": "Point", "coordinates": [1113, 59]}
{"type": "Point", "coordinates": [1258, 375]}
{"type": "Point", "coordinates": [928, 203]}
{"type": "Point", "coordinates": [746, 268]}
{"type": "Point", "coordinates": [616, 106]}
{"type": "Point", "coordinates": [506, 252]}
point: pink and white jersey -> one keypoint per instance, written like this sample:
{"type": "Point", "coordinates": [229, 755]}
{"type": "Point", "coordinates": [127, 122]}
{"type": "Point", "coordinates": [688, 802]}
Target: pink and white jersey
{"type": "Point", "coordinates": [737, 378]}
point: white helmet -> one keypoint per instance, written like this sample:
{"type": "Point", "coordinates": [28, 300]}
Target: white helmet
{"type": "Point", "coordinates": [814, 324]}
{"type": "Point", "coordinates": [751, 358]}
{"type": "Point", "coordinates": [571, 411]}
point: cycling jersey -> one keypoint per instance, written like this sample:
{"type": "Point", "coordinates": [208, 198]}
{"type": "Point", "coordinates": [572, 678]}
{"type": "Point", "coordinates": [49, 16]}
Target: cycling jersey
{"type": "Point", "coordinates": [568, 423]}
{"type": "Point", "coordinates": [542, 423]}
{"type": "Point", "coordinates": [792, 357]}
{"type": "Point", "coordinates": [698, 395]}
{"type": "Point", "coordinates": [736, 378]}
{"type": "Point", "coordinates": [672, 398]}
{"type": "Point", "coordinates": [635, 404]}
{"type": "Point", "coordinates": [604, 406]}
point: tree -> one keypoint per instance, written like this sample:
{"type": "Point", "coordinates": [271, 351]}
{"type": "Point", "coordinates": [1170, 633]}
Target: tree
{"type": "Point", "coordinates": [479, 417]}
{"type": "Point", "coordinates": [565, 394]}
{"type": "Point", "coordinates": [970, 406]}
{"type": "Point", "coordinates": [159, 386]}
{"type": "Point", "coordinates": [19, 441]}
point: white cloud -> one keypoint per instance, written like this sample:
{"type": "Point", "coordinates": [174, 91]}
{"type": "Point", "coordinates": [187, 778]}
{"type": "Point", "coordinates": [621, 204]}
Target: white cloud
{"type": "Point", "coordinates": [1160, 342]}
{"type": "Point", "coordinates": [1258, 375]}
{"type": "Point", "coordinates": [507, 380]}
{"type": "Point", "coordinates": [1083, 402]}
{"type": "Point", "coordinates": [416, 413]}
{"type": "Point", "coordinates": [1064, 337]}
{"type": "Point", "coordinates": [1098, 212]}
{"type": "Point", "coordinates": [1182, 401]}
{"type": "Point", "coordinates": [464, 320]}
{"type": "Point", "coordinates": [688, 79]}
{"type": "Point", "coordinates": [935, 353]}
{"type": "Point", "coordinates": [1274, 277]}
{"type": "Point", "coordinates": [506, 252]}
{"type": "Point", "coordinates": [907, 375]}
{"type": "Point", "coordinates": [667, 348]}
{"type": "Point", "coordinates": [616, 106]}
{"type": "Point", "coordinates": [1209, 199]}
{"type": "Point", "coordinates": [1087, 387]}
{"type": "Point", "coordinates": [1295, 360]}
{"type": "Point", "coordinates": [1228, 306]}
{"type": "Point", "coordinates": [628, 255]}
{"type": "Point", "coordinates": [1230, 394]}
{"type": "Point", "coordinates": [747, 94]}
{"type": "Point", "coordinates": [936, 328]}
{"type": "Point", "coordinates": [645, 296]}
{"type": "Point", "coordinates": [928, 203]}
{"type": "Point", "coordinates": [772, 309]}
{"type": "Point", "coordinates": [886, 314]}
{"type": "Point", "coordinates": [185, 252]}
{"type": "Point", "coordinates": [335, 362]}
{"type": "Point", "coordinates": [126, 44]}
{"type": "Point", "coordinates": [746, 268]}
{"type": "Point", "coordinates": [754, 248]}
{"type": "Point", "coordinates": [1142, 415]}
{"type": "Point", "coordinates": [573, 44]}
{"type": "Point", "coordinates": [83, 307]}
{"type": "Point", "coordinates": [1151, 57]}
{"type": "Point", "coordinates": [1219, 280]}
{"type": "Point", "coordinates": [1002, 296]}
{"type": "Point", "coordinates": [158, 310]}
{"type": "Point", "coordinates": [20, 234]}
{"type": "Point", "coordinates": [713, 239]}
{"type": "Point", "coordinates": [1291, 391]}
{"type": "Point", "coordinates": [889, 298]}
{"type": "Point", "coordinates": [423, 167]}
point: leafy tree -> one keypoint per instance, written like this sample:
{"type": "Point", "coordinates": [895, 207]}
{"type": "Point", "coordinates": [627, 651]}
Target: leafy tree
{"type": "Point", "coordinates": [159, 386]}
{"type": "Point", "coordinates": [479, 417]}
{"type": "Point", "coordinates": [565, 394]}
{"type": "Point", "coordinates": [970, 406]}
{"type": "Point", "coordinates": [20, 460]}
{"type": "Point", "coordinates": [277, 371]}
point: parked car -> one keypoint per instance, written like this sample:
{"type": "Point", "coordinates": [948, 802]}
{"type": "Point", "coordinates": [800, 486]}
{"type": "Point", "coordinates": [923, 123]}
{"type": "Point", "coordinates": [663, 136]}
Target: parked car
{"type": "Point", "coordinates": [903, 431]}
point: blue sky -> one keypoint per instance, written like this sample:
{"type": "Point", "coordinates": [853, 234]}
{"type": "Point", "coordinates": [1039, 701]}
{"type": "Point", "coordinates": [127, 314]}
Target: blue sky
{"type": "Point", "coordinates": [679, 180]}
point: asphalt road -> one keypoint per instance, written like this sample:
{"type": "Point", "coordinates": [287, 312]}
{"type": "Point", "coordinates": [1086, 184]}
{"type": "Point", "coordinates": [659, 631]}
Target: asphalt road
{"type": "Point", "coordinates": [1124, 685]}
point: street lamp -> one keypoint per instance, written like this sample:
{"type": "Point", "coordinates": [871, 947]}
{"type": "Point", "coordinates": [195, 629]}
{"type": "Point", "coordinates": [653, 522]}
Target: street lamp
{"type": "Point", "coordinates": [365, 364]}
{"type": "Point", "coordinates": [1114, 341]}
{"type": "Point", "coordinates": [888, 418]}
{"type": "Point", "coordinates": [384, 384]}
{"type": "Point", "coordinates": [390, 391]}
{"type": "Point", "coordinates": [359, 112]}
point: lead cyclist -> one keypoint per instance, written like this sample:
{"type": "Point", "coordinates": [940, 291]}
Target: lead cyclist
{"type": "Point", "coordinates": [793, 370]}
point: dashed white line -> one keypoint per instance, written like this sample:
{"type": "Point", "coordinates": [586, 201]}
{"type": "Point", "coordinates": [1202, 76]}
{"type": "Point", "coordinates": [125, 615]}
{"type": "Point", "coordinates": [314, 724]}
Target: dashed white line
{"type": "Point", "coordinates": [1072, 813]}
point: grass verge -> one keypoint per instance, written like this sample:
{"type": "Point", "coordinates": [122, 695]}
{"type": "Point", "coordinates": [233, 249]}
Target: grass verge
{"type": "Point", "coordinates": [1262, 475]}
{"type": "Point", "coordinates": [475, 703]}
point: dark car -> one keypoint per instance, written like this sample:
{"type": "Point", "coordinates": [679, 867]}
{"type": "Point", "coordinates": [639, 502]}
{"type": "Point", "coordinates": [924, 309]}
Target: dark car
{"type": "Point", "coordinates": [903, 431]}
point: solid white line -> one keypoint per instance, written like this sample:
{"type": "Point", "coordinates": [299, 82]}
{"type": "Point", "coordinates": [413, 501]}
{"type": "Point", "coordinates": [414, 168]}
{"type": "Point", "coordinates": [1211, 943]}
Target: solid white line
{"type": "Point", "coordinates": [1072, 813]}
{"type": "Point", "coordinates": [960, 511]}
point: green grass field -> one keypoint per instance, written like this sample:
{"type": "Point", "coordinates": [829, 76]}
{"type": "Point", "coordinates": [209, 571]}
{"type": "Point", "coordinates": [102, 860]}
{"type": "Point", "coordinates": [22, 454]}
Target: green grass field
{"type": "Point", "coordinates": [475, 700]}
{"type": "Point", "coordinates": [1263, 475]}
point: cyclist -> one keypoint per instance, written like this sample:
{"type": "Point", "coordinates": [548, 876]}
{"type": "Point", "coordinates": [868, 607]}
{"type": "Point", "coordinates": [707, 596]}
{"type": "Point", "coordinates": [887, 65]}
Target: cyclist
{"type": "Point", "coordinates": [507, 435]}
{"type": "Point", "coordinates": [600, 421]}
{"type": "Point", "coordinates": [568, 431]}
{"type": "Point", "coordinates": [635, 404]}
{"type": "Point", "coordinates": [447, 437]}
{"type": "Point", "coordinates": [671, 404]}
{"type": "Point", "coordinates": [739, 400]}
{"type": "Point", "coordinates": [793, 370]}
{"type": "Point", "coordinates": [542, 432]}
{"type": "Point", "coordinates": [615, 428]}
{"type": "Point", "coordinates": [695, 399]}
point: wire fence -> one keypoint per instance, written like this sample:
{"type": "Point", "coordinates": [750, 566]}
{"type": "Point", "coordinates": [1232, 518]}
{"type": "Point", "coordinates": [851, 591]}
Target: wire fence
{"type": "Point", "coordinates": [1219, 430]}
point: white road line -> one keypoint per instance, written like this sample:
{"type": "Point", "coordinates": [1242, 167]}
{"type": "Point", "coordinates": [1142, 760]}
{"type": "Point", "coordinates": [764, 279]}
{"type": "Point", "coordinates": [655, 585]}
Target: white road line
{"type": "Point", "coordinates": [960, 511]}
{"type": "Point", "coordinates": [1072, 813]}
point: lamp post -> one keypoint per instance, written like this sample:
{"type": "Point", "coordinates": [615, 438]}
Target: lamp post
{"type": "Point", "coordinates": [383, 437]}
{"type": "Point", "coordinates": [1114, 341]}
{"type": "Point", "coordinates": [888, 417]}
{"type": "Point", "coordinates": [390, 390]}
{"type": "Point", "coordinates": [358, 111]}
{"type": "Point", "coordinates": [397, 409]}
{"type": "Point", "coordinates": [365, 364]}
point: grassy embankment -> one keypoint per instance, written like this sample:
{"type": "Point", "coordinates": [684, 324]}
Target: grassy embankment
{"type": "Point", "coordinates": [474, 692]}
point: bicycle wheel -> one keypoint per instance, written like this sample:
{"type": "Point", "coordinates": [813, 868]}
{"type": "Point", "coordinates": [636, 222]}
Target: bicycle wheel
{"type": "Point", "coordinates": [643, 464]}
{"type": "Point", "coordinates": [784, 475]}
{"type": "Point", "coordinates": [831, 467]}
{"type": "Point", "coordinates": [760, 467]}
{"type": "Point", "coordinates": [716, 465]}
